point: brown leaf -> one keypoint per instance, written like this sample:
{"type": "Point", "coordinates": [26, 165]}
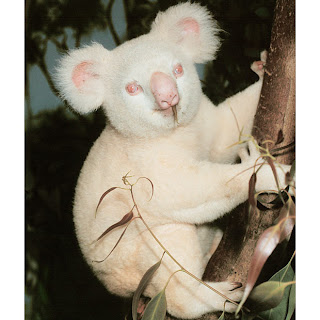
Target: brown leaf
{"type": "Point", "coordinates": [267, 242]}
{"type": "Point", "coordinates": [103, 195]}
{"type": "Point", "coordinates": [270, 162]}
{"type": "Point", "coordinates": [287, 146]}
{"type": "Point", "coordinates": [252, 185]}
{"type": "Point", "coordinates": [262, 207]}
{"type": "Point", "coordinates": [99, 261]}
{"type": "Point", "coordinates": [126, 218]}
{"type": "Point", "coordinates": [287, 219]}
{"type": "Point", "coordinates": [265, 246]}
{"type": "Point", "coordinates": [280, 199]}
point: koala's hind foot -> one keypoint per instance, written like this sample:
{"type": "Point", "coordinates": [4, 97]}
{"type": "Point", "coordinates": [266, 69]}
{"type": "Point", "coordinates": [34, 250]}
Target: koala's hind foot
{"type": "Point", "coordinates": [196, 300]}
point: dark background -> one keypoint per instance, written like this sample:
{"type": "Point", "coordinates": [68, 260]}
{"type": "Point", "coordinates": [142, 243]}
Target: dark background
{"type": "Point", "coordinates": [59, 284]}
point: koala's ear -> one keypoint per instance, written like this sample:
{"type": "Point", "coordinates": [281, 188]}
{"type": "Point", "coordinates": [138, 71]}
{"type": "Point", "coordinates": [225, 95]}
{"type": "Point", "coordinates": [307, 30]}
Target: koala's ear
{"type": "Point", "coordinates": [190, 26]}
{"type": "Point", "coordinates": [79, 77]}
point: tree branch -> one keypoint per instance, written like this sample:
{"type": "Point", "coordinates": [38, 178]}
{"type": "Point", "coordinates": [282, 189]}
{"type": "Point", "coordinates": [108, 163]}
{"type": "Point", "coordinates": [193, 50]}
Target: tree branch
{"type": "Point", "coordinates": [110, 23]}
{"type": "Point", "coordinates": [61, 46]}
{"type": "Point", "coordinates": [43, 67]}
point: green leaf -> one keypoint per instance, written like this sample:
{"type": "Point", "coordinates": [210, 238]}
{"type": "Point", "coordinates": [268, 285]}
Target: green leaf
{"type": "Point", "coordinates": [267, 295]}
{"type": "Point", "coordinates": [292, 302]}
{"type": "Point", "coordinates": [285, 274]}
{"type": "Point", "coordinates": [246, 316]}
{"type": "Point", "coordinates": [286, 307]}
{"type": "Point", "coordinates": [156, 308]}
{"type": "Point", "coordinates": [222, 316]}
{"type": "Point", "coordinates": [142, 285]}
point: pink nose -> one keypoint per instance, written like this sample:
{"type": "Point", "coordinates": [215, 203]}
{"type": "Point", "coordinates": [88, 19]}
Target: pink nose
{"type": "Point", "coordinates": [164, 90]}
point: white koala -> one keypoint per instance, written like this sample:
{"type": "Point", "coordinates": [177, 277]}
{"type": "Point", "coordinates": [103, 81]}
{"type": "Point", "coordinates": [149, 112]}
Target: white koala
{"type": "Point", "coordinates": [161, 126]}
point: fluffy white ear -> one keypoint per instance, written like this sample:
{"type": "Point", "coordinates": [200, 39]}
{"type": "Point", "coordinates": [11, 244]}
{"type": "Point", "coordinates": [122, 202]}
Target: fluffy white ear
{"type": "Point", "coordinates": [79, 77]}
{"type": "Point", "coordinates": [190, 26]}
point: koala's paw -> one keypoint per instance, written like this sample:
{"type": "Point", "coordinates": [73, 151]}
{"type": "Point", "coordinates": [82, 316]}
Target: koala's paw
{"type": "Point", "coordinates": [249, 155]}
{"type": "Point", "coordinates": [233, 290]}
{"type": "Point", "coordinates": [258, 66]}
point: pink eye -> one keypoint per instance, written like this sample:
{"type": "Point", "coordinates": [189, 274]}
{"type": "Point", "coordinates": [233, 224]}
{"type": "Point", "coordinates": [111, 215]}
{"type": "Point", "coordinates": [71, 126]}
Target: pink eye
{"type": "Point", "coordinates": [178, 70]}
{"type": "Point", "coordinates": [133, 88]}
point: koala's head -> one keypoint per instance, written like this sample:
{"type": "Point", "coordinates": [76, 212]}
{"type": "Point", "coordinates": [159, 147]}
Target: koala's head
{"type": "Point", "coordinates": [143, 82]}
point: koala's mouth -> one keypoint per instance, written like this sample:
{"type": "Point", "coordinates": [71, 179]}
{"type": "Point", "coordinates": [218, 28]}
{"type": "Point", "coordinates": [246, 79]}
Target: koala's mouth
{"type": "Point", "coordinates": [170, 112]}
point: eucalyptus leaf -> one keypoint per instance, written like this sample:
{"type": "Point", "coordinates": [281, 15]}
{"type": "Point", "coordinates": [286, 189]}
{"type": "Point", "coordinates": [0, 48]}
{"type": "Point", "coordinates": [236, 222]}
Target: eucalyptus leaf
{"type": "Point", "coordinates": [267, 242]}
{"type": "Point", "coordinates": [142, 285]}
{"type": "Point", "coordinates": [103, 196]}
{"type": "Point", "coordinates": [265, 246]}
{"type": "Point", "coordinates": [274, 171]}
{"type": "Point", "coordinates": [122, 234]}
{"type": "Point", "coordinates": [156, 308]}
{"type": "Point", "coordinates": [247, 316]}
{"type": "Point", "coordinates": [278, 201]}
{"type": "Point", "coordinates": [222, 316]}
{"type": "Point", "coordinates": [252, 185]}
{"type": "Point", "coordinates": [286, 307]}
{"type": "Point", "coordinates": [292, 302]}
{"type": "Point", "coordinates": [125, 219]}
{"type": "Point", "coordinates": [287, 219]}
{"type": "Point", "coordinates": [267, 295]}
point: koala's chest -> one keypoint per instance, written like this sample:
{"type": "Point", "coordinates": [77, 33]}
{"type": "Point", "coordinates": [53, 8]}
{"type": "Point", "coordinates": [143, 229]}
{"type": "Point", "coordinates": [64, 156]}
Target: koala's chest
{"type": "Point", "coordinates": [112, 157]}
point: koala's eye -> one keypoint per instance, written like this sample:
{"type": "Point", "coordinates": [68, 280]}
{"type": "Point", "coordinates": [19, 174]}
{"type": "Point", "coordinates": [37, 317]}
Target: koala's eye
{"type": "Point", "coordinates": [133, 88]}
{"type": "Point", "coordinates": [178, 70]}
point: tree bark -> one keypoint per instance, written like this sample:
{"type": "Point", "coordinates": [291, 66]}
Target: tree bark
{"type": "Point", "coordinates": [274, 120]}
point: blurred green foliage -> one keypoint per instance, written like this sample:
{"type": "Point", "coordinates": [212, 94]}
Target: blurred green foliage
{"type": "Point", "coordinates": [59, 285]}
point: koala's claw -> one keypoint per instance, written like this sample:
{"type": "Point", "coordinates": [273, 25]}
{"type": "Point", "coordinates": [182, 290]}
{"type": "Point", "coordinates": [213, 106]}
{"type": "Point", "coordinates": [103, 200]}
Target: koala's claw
{"type": "Point", "coordinates": [237, 285]}
{"type": "Point", "coordinates": [232, 290]}
{"type": "Point", "coordinates": [250, 154]}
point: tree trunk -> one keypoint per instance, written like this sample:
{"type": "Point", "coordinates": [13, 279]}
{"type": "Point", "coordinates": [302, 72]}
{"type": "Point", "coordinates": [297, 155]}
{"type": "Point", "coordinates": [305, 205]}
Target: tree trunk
{"type": "Point", "coordinates": [275, 120]}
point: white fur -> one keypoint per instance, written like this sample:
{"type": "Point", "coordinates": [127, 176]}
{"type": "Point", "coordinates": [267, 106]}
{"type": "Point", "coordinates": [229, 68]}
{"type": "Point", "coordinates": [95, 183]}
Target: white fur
{"type": "Point", "coordinates": [195, 180]}
{"type": "Point", "coordinates": [200, 49]}
{"type": "Point", "coordinates": [91, 96]}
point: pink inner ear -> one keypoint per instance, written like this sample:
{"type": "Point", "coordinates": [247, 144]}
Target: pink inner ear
{"type": "Point", "coordinates": [189, 25]}
{"type": "Point", "coordinates": [81, 74]}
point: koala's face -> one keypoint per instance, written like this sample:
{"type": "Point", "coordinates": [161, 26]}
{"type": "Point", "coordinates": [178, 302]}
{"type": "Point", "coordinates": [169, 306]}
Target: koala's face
{"type": "Point", "coordinates": [156, 88]}
{"type": "Point", "coordinates": [148, 85]}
